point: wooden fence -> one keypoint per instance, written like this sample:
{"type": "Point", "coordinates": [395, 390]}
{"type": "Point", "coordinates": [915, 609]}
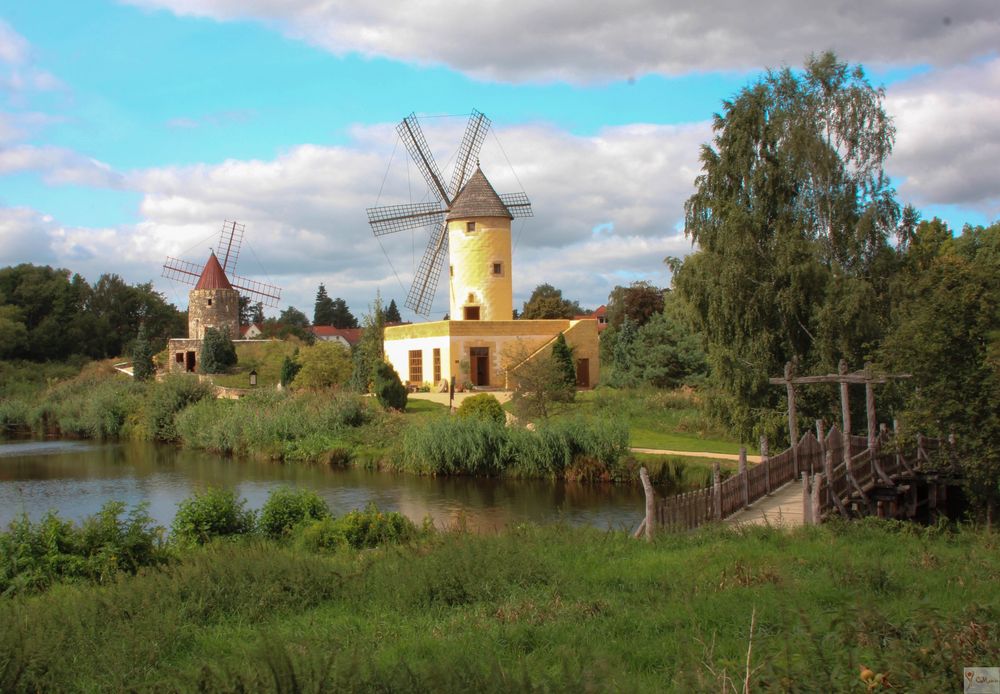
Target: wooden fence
{"type": "Point", "coordinates": [838, 471]}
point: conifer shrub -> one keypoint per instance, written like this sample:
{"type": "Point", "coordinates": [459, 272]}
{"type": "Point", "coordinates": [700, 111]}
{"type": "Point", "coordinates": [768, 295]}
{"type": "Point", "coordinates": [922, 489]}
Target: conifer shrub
{"type": "Point", "coordinates": [289, 369]}
{"type": "Point", "coordinates": [389, 390]}
{"type": "Point", "coordinates": [211, 514]}
{"type": "Point", "coordinates": [483, 406]}
{"type": "Point", "coordinates": [217, 352]}
{"type": "Point", "coordinates": [287, 508]}
{"type": "Point", "coordinates": [563, 356]}
{"type": "Point", "coordinates": [142, 357]}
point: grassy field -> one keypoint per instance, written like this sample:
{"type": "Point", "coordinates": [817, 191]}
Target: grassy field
{"type": "Point", "coordinates": [532, 609]}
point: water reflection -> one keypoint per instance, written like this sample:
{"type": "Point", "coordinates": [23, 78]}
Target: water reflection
{"type": "Point", "coordinates": [76, 478]}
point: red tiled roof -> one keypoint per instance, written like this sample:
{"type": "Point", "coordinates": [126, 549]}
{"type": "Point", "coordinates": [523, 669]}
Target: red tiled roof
{"type": "Point", "coordinates": [213, 277]}
{"type": "Point", "coordinates": [351, 335]}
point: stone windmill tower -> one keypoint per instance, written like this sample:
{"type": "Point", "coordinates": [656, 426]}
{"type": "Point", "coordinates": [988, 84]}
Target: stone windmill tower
{"type": "Point", "coordinates": [214, 302]}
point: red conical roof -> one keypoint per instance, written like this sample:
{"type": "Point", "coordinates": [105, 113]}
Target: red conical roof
{"type": "Point", "coordinates": [213, 276]}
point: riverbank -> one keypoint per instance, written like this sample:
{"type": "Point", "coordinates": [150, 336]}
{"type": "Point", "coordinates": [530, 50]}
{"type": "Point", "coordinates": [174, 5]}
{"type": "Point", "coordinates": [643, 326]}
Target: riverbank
{"type": "Point", "coordinates": [535, 608]}
{"type": "Point", "coordinates": [590, 443]}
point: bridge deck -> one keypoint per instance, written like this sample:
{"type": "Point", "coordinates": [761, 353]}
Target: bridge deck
{"type": "Point", "coordinates": [782, 507]}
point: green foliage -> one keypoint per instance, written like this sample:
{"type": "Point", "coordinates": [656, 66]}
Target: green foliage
{"type": "Point", "coordinates": [539, 383]}
{"type": "Point", "coordinates": [165, 400]}
{"type": "Point", "coordinates": [547, 302]}
{"type": "Point", "coordinates": [370, 350]}
{"type": "Point", "coordinates": [142, 357]}
{"type": "Point", "coordinates": [98, 403]}
{"type": "Point", "coordinates": [287, 508]}
{"type": "Point", "coordinates": [13, 332]}
{"type": "Point", "coordinates": [527, 609]}
{"type": "Point", "coordinates": [663, 353]}
{"type": "Point", "coordinates": [109, 543]}
{"type": "Point", "coordinates": [637, 302]}
{"type": "Point", "coordinates": [389, 390]}
{"type": "Point", "coordinates": [483, 406]}
{"type": "Point", "coordinates": [791, 215]}
{"type": "Point", "coordinates": [575, 449]}
{"type": "Point", "coordinates": [358, 530]}
{"type": "Point", "coordinates": [947, 334]}
{"type": "Point", "coordinates": [217, 352]}
{"type": "Point", "coordinates": [323, 365]}
{"type": "Point", "coordinates": [392, 313]}
{"type": "Point", "coordinates": [323, 308]}
{"type": "Point", "coordinates": [562, 354]}
{"type": "Point", "coordinates": [289, 370]}
{"type": "Point", "coordinates": [211, 514]}
{"type": "Point", "coordinates": [278, 425]}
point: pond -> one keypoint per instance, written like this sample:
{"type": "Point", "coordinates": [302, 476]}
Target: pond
{"type": "Point", "coordinates": [76, 478]}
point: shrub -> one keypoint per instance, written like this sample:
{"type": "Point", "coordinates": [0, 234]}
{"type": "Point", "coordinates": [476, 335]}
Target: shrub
{"type": "Point", "coordinates": [167, 398]}
{"type": "Point", "coordinates": [210, 514]}
{"type": "Point", "coordinates": [483, 406]}
{"type": "Point", "coordinates": [359, 530]}
{"type": "Point", "coordinates": [323, 365]}
{"type": "Point", "coordinates": [289, 369]}
{"type": "Point", "coordinates": [35, 555]}
{"type": "Point", "coordinates": [217, 352]}
{"type": "Point", "coordinates": [562, 354]}
{"type": "Point", "coordinates": [456, 446]}
{"type": "Point", "coordinates": [389, 390]}
{"type": "Point", "coordinates": [142, 357]}
{"type": "Point", "coordinates": [287, 508]}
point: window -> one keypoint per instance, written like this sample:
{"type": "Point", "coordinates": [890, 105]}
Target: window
{"type": "Point", "coordinates": [209, 302]}
{"type": "Point", "coordinates": [179, 357]}
{"type": "Point", "coordinates": [470, 227]}
{"type": "Point", "coordinates": [416, 366]}
{"type": "Point", "coordinates": [498, 269]}
{"type": "Point", "coordinates": [437, 365]}
{"type": "Point", "coordinates": [471, 312]}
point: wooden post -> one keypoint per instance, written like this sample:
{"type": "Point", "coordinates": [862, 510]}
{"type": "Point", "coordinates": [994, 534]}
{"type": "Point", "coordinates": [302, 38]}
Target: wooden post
{"type": "Point", "coordinates": [765, 460]}
{"type": "Point", "coordinates": [647, 487]}
{"type": "Point", "coordinates": [744, 482]}
{"type": "Point", "coordinates": [821, 437]}
{"type": "Point", "coordinates": [817, 507]}
{"type": "Point", "coordinates": [717, 491]}
{"type": "Point", "coordinates": [870, 408]}
{"type": "Point", "coordinates": [845, 405]}
{"type": "Point", "coordinates": [806, 500]}
{"type": "Point", "coordinates": [793, 423]}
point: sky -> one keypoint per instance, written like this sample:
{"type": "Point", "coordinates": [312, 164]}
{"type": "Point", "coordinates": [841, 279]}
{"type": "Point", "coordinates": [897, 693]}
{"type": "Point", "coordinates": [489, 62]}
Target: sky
{"type": "Point", "coordinates": [130, 130]}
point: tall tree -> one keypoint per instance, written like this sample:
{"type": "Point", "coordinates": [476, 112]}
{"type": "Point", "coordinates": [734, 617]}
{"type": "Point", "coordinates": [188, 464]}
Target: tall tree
{"type": "Point", "coordinates": [563, 356]}
{"type": "Point", "coordinates": [547, 302]}
{"type": "Point", "coordinates": [142, 357]}
{"type": "Point", "coordinates": [791, 214]}
{"type": "Point", "coordinates": [341, 315]}
{"type": "Point", "coordinates": [638, 302]}
{"type": "Point", "coordinates": [323, 312]}
{"type": "Point", "coordinates": [392, 313]}
{"type": "Point", "coordinates": [370, 350]}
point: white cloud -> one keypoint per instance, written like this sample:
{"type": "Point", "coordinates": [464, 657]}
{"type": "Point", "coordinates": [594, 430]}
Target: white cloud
{"type": "Point", "coordinates": [17, 73]}
{"type": "Point", "coordinates": [13, 46]}
{"type": "Point", "coordinates": [520, 40]}
{"type": "Point", "coordinates": [948, 137]}
{"type": "Point", "coordinates": [59, 166]}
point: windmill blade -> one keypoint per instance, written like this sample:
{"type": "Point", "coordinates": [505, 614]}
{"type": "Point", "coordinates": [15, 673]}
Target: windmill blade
{"type": "Point", "coordinates": [266, 294]}
{"type": "Point", "coordinates": [421, 294]}
{"type": "Point", "coordinates": [392, 218]}
{"type": "Point", "coordinates": [181, 270]}
{"type": "Point", "coordinates": [468, 151]}
{"type": "Point", "coordinates": [517, 203]}
{"type": "Point", "coordinates": [230, 241]}
{"type": "Point", "coordinates": [415, 143]}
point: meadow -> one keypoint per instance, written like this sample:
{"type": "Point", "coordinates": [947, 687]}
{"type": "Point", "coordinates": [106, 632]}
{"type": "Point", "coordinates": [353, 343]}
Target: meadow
{"type": "Point", "coordinates": [530, 609]}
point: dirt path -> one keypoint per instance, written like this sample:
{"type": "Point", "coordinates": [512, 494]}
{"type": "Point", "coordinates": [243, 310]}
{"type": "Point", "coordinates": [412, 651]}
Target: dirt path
{"type": "Point", "coordinates": [697, 454]}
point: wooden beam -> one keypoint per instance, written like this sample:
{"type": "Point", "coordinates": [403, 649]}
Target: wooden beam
{"type": "Point", "coordinates": [845, 404]}
{"type": "Point", "coordinates": [793, 422]}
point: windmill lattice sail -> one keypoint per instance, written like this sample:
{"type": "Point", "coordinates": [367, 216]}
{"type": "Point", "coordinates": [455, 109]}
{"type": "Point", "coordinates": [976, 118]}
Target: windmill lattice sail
{"type": "Point", "coordinates": [392, 218]}
{"type": "Point", "coordinates": [230, 242]}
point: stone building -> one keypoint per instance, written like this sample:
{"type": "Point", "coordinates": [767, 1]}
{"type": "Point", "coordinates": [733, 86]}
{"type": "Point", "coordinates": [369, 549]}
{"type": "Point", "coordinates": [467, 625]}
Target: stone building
{"type": "Point", "coordinates": [481, 344]}
{"type": "Point", "coordinates": [213, 303]}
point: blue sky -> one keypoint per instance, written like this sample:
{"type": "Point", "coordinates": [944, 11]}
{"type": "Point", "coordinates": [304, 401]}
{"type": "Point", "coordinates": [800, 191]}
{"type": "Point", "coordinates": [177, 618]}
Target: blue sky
{"type": "Point", "coordinates": [131, 130]}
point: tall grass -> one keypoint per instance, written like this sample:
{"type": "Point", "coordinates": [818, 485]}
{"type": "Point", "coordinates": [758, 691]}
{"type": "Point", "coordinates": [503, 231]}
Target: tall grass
{"type": "Point", "coordinates": [574, 449]}
{"type": "Point", "coordinates": [531, 609]}
{"type": "Point", "coordinates": [277, 425]}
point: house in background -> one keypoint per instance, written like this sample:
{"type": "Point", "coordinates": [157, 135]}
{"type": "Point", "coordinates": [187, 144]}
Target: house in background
{"type": "Point", "coordinates": [348, 337]}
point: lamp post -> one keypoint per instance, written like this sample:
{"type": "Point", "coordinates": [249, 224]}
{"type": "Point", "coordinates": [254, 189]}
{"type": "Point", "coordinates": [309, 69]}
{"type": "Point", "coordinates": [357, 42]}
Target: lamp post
{"type": "Point", "coordinates": [253, 378]}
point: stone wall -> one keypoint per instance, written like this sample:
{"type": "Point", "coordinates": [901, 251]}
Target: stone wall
{"type": "Point", "coordinates": [213, 308]}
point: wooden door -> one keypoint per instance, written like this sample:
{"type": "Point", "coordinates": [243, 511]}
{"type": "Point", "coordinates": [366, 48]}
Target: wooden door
{"type": "Point", "coordinates": [479, 361]}
{"type": "Point", "coordinates": [583, 373]}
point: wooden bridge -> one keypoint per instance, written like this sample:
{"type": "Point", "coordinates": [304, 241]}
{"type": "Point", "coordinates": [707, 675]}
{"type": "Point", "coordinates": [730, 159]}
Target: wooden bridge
{"type": "Point", "coordinates": [824, 475]}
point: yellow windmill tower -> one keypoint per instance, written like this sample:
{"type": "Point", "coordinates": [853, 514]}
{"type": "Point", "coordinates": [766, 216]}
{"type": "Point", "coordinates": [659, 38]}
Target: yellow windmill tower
{"type": "Point", "coordinates": [472, 231]}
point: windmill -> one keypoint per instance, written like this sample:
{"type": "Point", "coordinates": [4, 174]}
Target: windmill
{"type": "Point", "coordinates": [392, 218]}
{"type": "Point", "coordinates": [230, 242]}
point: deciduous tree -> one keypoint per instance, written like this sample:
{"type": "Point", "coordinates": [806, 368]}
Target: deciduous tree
{"type": "Point", "coordinates": [547, 302]}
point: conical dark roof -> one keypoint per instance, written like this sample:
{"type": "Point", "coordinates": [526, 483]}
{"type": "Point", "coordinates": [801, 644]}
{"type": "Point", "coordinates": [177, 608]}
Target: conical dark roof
{"type": "Point", "coordinates": [478, 199]}
{"type": "Point", "coordinates": [213, 276]}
